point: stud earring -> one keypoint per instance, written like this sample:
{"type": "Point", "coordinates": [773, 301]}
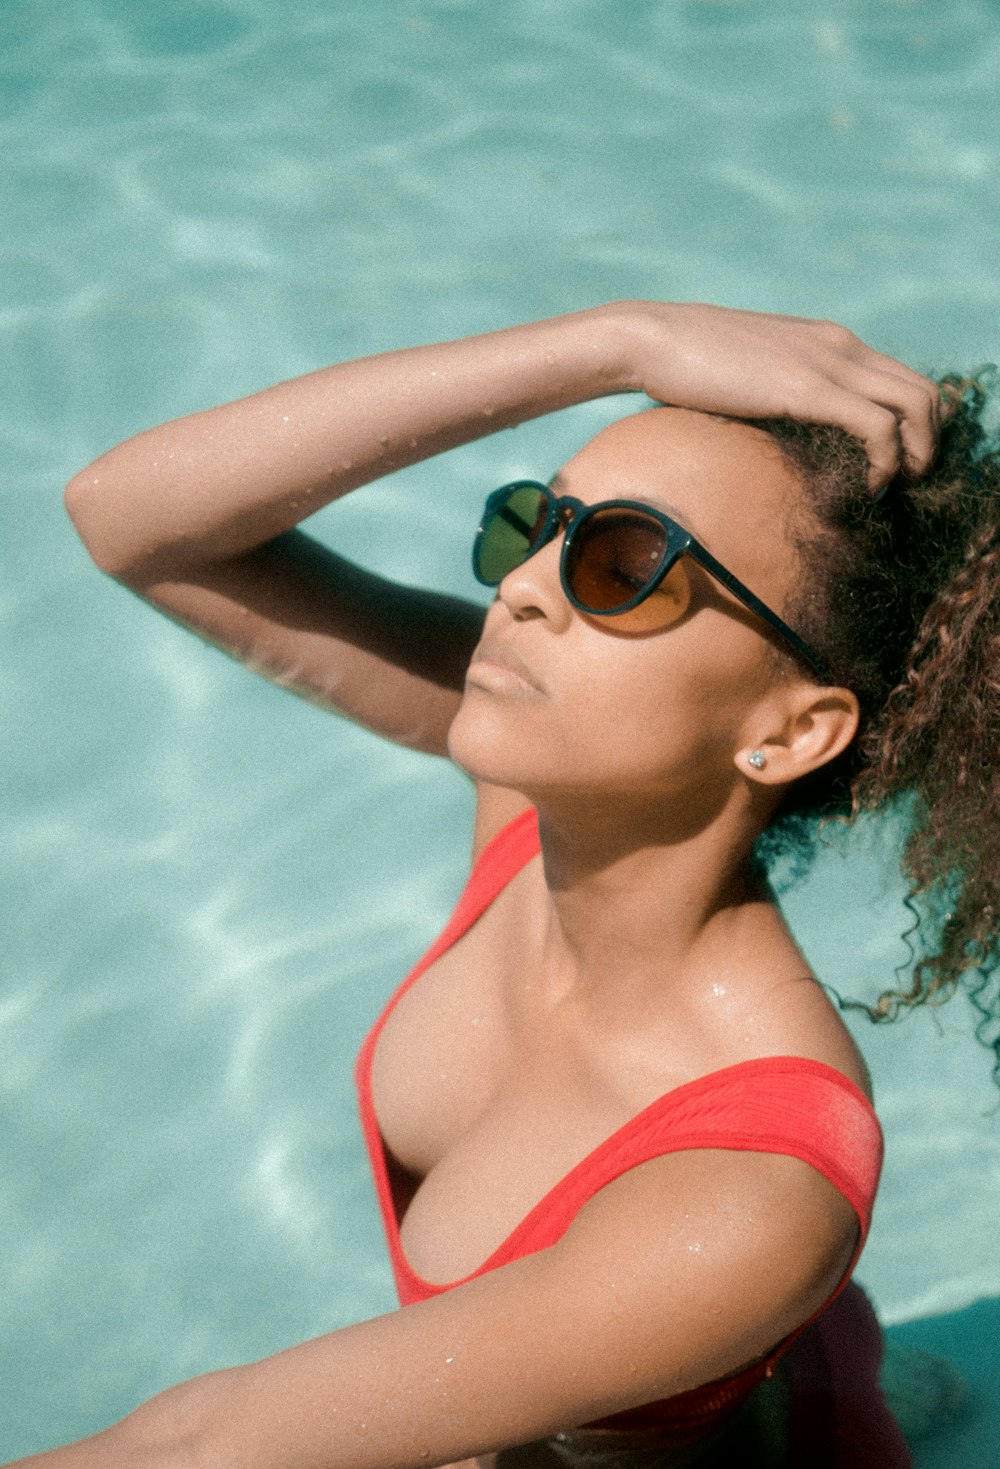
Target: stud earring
{"type": "Point", "coordinates": [757, 759]}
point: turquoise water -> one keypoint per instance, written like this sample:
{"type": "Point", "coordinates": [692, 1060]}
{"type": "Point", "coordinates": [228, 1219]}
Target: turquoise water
{"type": "Point", "coordinates": [208, 888]}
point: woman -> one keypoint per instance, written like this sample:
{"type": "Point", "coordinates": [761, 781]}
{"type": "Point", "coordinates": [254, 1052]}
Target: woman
{"type": "Point", "coordinates": [612, 1251]}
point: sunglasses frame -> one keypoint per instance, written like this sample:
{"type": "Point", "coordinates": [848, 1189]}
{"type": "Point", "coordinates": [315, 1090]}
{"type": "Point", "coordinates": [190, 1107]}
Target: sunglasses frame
{"type": "Point", "coordinates": [565, 512]}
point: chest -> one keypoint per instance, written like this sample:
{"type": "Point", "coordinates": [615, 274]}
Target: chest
{"type": "Point", "coordinates": [485, 1095]}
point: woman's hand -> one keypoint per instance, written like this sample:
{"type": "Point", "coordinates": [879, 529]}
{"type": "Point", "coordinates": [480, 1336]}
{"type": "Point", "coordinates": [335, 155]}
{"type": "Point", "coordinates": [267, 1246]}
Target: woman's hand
{"type": "Point", "coordinates": [754, 365]}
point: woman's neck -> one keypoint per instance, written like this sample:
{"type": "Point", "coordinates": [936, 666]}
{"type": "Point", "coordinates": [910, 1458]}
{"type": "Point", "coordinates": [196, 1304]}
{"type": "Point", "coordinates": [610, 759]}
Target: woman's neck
{"type": "Point", "coordinates": [633, 889]}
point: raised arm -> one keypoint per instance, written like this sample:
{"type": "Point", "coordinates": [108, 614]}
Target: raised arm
{"type": "Point", "coordinates": [198, 515]}
{"type": "Point", "coordinates": [684, 1270]}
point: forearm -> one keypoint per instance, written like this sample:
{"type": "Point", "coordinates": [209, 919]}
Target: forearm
{"type": "Point", "coordinates": [163, 1433]}
{"type": "Point", "coordinates": [218, 483]}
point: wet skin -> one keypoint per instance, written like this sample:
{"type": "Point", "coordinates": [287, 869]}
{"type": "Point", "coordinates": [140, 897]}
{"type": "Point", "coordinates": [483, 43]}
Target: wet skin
{"type": "Point", "coordinates": [650, 957]}
{"type": "Point", "coordinates": [633, 956]}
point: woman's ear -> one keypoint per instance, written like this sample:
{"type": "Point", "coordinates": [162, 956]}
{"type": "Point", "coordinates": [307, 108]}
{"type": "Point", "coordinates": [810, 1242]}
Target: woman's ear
{"type": "Point", "coordinates": [797, 730]}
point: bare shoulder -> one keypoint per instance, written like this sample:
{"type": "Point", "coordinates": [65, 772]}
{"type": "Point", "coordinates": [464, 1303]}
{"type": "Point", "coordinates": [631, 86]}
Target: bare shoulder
{"type": "Point", "coordinates": [812, 1026]}
{"type": "Point", "coordinates": [754, 994]}
{"type": "Point", "coordinates": [738, 1248]}
{"type": "Point", "coordinates": [798, 1017]}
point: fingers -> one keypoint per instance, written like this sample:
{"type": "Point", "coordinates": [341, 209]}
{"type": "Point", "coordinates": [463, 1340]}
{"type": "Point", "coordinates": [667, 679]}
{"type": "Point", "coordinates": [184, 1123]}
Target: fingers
{"type": "Point", "coordinates": [881, 433]}
{"type": "Point", "coordinates": [882, 363]}
{"type": "Point", "coordinates": [894, 410]}
{"type": "Point", "coordinates": [757, 365]}
{"type": "Point", "coordinates": [915, 405]}
{"type": "Point", "coordinates": [878, 427]}
{"type": "Point", "coordinates": [912, 398]}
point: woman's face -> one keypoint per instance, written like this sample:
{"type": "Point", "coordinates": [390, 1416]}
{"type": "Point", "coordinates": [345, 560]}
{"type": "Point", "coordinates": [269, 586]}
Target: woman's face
{"type": "Point", "coordinates": [558, 701]}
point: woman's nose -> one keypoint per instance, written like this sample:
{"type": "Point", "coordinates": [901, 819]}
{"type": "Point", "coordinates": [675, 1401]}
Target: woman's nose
{"type": "Point", "coordinates": [533, 589]}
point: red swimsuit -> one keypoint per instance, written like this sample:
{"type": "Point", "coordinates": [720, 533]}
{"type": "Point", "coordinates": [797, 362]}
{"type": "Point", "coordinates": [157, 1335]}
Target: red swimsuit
{"type": "Point", "coordinates": [779, 1104]}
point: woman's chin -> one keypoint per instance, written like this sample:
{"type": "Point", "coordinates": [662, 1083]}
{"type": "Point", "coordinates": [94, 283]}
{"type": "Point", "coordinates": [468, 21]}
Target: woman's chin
{"type": "Point", "coordinates": [489, 747]}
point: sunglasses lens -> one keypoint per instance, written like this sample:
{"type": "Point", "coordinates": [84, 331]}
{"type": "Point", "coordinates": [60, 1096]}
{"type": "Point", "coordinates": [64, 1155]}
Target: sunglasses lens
{"type": "Point", "coordinates": [510, 532]}
{"type": "Point", "coordinates": [612, 557]}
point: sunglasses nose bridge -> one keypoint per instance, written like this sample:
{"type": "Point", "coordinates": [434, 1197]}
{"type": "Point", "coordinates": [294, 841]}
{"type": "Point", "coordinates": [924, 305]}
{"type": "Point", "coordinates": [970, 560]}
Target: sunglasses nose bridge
{"type": "Point", "coordinates": [567, 514]}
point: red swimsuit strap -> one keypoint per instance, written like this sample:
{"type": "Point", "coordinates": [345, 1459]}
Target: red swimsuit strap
{"type": "Point", "coordinates": [781, 1104]}
{"type": "Point", "coordinates": [500, 860]}
{"type": "Point", "coordinates": [788, 1104]}
{"type": "Point", "coordinates": [498, 863]}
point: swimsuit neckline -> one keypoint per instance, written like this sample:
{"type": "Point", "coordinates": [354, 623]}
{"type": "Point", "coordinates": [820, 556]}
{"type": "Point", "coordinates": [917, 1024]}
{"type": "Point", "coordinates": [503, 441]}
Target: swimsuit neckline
{"type": "Point", "coordinates": [792, 1106]}
{"type": "Point", "coordinates": [775, 1065]}
{"type": "Point", "coordinates": [501, 859]}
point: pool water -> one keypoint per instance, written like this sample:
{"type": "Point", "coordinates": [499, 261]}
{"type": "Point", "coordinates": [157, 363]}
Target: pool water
{"type": "Point", "coordinates": [209, 888]}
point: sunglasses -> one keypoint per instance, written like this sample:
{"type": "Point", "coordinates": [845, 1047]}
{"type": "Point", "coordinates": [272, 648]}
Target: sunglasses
{"type": "Point", "coordinates": [619, 558]}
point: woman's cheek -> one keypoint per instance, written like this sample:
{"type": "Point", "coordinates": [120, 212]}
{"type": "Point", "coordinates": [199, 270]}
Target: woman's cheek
{"type": "Point", "coordinates": [623, 718]}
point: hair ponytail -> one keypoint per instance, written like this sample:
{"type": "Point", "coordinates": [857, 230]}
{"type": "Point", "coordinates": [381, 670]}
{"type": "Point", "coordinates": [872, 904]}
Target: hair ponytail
{"type": "Point", "coordinates": [903, 601]}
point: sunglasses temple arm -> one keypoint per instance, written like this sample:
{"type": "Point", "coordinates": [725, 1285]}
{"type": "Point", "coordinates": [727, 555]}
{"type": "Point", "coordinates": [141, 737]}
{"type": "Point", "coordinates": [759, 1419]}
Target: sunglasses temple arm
{"type": "Point", "coordinates": [746, 596]}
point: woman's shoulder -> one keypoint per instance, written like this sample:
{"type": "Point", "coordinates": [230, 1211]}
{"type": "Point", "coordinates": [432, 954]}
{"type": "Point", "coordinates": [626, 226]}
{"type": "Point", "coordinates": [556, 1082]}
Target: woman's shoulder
{"type": "Point", "coordinates": [817, 1032]}
{"type": "Point", "coordinates": [799, 1018]}
{"type": "Point", "coordinates": [806, 1024]}
{"type": "Point", "coordinates": [754, 996]}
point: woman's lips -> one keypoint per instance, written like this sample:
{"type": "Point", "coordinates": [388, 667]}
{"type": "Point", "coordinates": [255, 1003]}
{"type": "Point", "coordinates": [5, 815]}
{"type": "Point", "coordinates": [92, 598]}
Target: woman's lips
{"type": "Point", "coordinates": [501, 670]}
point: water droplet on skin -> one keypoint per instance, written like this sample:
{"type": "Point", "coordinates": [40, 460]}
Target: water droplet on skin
{"type": "Point", "coordinates": [284, 418]}
{"type": "Point", "coordinates": [449, 1359]}
{"type": "Point", "coordinates": [718, 990]}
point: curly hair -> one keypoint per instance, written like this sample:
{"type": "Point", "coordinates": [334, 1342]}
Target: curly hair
{"type": "Point", "coordinates": [901, 596]}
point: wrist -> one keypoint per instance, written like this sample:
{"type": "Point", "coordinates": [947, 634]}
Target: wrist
{"type": "Point", "coordinates": [600, 349]}
{"type": "Point", "coordinates": [638, 342]}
